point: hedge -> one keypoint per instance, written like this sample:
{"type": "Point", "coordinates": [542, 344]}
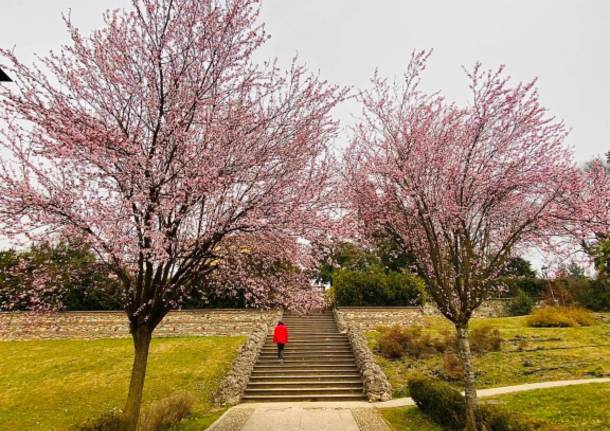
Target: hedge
{"type": "Point", "coordinates": [447, 406]}
{"type": "Point", "coordinates": [371, 288]}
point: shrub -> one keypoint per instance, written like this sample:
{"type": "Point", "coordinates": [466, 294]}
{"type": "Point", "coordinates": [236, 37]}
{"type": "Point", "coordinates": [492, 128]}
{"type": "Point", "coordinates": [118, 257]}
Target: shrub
{"type": "Point", "coordinates": [509, 286]}
{"type": "Point", "coordinates": [446, 406]}
{"type": "Point", "coordinates": [453, 370]}
{"type": "Point", "coordinates": [521, 304]}
{"type": "Point", "coordinates": [376, 287]}
{"type": "Point", "coordinates": [560, 316]}
{"type": "Point", "coordinates": [396, 341]}
{"type": "Point", "coordinates": [330, 296]}
{"type": "Point", "coordinates": [564, 290]}
{"type": "Point", "coordinates": [167, 412]}
{"type": "Point", "coordinates": [596, 295]}
{"type": "Point", "coordinates": [390, 348]}
{"type": "Point", "coordinates": [482, 340]}
{"type": "Point", "coordinates": [485, 339]}
{"type": "Point", "coordinates": [110, 421]}
{"type": "Point", "coordinates": [73, 278]}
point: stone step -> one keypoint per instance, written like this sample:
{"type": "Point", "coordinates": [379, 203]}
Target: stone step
{"type": "Point", "coordinates": [329, 350]}
{"type": "Point", "coordinates": [297, 398]}
{"type": "Point", "coordinates": [309, 322]}
{"type": "Point", "coordinates": [315, 357]}
{"type": "Point", "coordinates": [308, 352]}
{"type": "Point", "coordinates": [317, 339]}
{"type": "Point", "coordinates": [304, 377]}
{"type": "Point", "coordinates": [288, 363]}
{"type": "Point", "coordinates": [304, 371]}
{"type": "Point", "coordinates": [310, 346]}
{"type": "Point", "coordinates": [318, 364]}
{"type": "Point", "coordinates": [305, 390]}
{"type": "Point", "coordinates": [306, 385]}
{"type": "Point", "coordinates": [309, 336]}
{"type": "Point", "coordinates": [311, 351]}
{"type": "Point", "coordinates": [292, 342]}
{"type": "Point", "coordinates": [312, 333]}
{"type": "Point", "coordinates": [321, 358]}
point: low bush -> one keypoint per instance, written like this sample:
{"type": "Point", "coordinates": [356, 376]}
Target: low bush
{"type": "Point", "coordinates": [521, 304]}
{"type": "Point", "coordinates": [396, 341]}
{"type": "Point", "coordinates": [444, 404]}
{"type": "Point", "coordinates": [110, 421]}
{"type": "Point", "coordinates": [389, 344]}
{"type": "Point", "coordinates": [485, 339]}
{"type": "Point", "coordinates": [482, 340]}
{"type": "Point", "coordinates": [560, 316]}
{"type": "Point", "coordinates": [596, 295]}
{"type": "Point", "coordinates": [447, 406]}
{"type": "Point", "coordinates": [453, 370]}
{"type": "Point", "coordinates": [377, 287]}
{"type": "Point", "coordinates": [165, 413]}
{"type": "Point", "coordinates": [509, 286]}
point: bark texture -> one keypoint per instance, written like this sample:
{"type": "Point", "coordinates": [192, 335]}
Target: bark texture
{"type": "Point", "coordinates": [142, 336]}
{"type": "Point", "coordinates": [470, 391]}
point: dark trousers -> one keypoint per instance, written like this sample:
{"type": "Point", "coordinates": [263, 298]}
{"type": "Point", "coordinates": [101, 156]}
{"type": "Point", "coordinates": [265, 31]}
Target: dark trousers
{"type": "Point", "coordinates": [280, 351]}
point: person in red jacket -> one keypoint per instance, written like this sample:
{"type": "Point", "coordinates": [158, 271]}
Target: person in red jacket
{"type": "Point", "coordinates": [280, 337]}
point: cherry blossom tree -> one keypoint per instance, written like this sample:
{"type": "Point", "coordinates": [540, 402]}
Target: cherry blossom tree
{"type": "Point", "coordinates": [462, 188]}
{"type": "Point", "coordinates": [265, 271]}
{"type": "Point", "coordinates": [157, 137]}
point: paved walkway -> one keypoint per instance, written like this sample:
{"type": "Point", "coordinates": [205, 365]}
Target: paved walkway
{"type": "Point", "coordinates": [400, 402]}
{"type": "Point", "coordinates": [341, 416]}
{"type": "Point", "coordinates": [319, 416]}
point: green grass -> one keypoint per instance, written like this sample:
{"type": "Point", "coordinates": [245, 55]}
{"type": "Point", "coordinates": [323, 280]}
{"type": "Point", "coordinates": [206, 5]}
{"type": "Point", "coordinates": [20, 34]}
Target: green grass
{"type": "Point", "coordinates": [528, 354]}
{"type": "Point", "coordinates": [575, 408]}
{"type": "Point", "coordinates": [50, 385]}
{"type": "Point", "coordinates": [408, 419]}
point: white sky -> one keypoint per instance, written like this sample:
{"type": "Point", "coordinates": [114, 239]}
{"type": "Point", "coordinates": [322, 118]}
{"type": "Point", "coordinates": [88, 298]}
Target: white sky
{"type": "Point", "coordinates": [564, 43]}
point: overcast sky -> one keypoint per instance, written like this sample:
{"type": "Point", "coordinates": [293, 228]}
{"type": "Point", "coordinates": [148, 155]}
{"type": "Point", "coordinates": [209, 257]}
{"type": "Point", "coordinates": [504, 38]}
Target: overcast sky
{"type": "Point", "coordinates": [563, 43]}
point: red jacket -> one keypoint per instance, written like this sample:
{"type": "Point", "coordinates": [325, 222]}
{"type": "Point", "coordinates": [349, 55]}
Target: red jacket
{"type": "Point", "coordinates": [280, 334]}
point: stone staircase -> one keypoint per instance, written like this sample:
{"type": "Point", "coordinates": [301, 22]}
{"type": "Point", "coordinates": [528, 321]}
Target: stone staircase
{"type": "Point", "coordinates": [318, 364]}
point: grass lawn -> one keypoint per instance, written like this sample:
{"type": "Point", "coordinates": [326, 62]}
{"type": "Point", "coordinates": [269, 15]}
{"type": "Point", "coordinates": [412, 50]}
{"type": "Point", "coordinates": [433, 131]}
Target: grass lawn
{"type": "Point", "coordinates": [528, 354]}
{"type": "Point", "coordinates": [50, 385]}
{"type": "Point", "coordinates": [575, 408]}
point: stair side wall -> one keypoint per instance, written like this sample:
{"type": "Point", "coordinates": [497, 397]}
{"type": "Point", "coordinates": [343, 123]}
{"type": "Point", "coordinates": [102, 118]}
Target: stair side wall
{"type": "Point", "coordinates": [235, 382]}
{"type": "Point", "coordinates": [376, 384]}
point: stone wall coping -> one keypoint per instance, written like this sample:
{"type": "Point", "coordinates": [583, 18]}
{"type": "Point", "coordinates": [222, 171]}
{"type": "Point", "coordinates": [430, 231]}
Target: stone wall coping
{"type": "Point", "coordinates": [404, 307]}
{"type": "Point", "coordinates": [378, 308]}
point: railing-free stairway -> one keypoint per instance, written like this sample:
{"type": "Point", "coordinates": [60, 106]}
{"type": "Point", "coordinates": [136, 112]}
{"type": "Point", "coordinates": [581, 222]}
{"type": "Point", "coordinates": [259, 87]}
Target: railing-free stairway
{"type": "Point", "coordinates": [318, 364]}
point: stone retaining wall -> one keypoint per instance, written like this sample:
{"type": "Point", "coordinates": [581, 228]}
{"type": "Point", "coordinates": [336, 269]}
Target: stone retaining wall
{"type": "Point", "coordinates": [376, 384]}
{"type": "Point", "coordinates": [110, 324]}
{"type": "Point", "coordinates": [235, 382]}
{"type": "Point", "coordinates": [369, 318]}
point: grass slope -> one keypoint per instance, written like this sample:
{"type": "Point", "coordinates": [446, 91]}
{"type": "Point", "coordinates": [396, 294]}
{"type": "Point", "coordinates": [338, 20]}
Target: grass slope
{"type": "Point", "coordinates": [49, 385]}
{"type": "Point", "coordinates": [575, 408]}
{"type": "Point", "coordinates": [528, 354]}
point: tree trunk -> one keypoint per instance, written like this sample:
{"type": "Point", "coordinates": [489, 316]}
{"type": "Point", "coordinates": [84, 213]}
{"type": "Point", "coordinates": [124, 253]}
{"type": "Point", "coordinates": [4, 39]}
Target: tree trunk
{"type": "Point", "coordinates": [141, 343]}
{"type": "Point", "coordinates": [470, 390]}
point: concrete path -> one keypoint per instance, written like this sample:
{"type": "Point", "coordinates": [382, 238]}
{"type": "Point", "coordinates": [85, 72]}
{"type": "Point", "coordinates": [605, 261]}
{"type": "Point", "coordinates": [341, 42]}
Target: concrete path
{"type": "Point", "coordinates": [341, 416]}
{"type": "Point", "coordinates": [400, 402]}
{"type": "Point", "coordinates": [300, 419]}
{"type": "Point", "coordinates": [352, 416]}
